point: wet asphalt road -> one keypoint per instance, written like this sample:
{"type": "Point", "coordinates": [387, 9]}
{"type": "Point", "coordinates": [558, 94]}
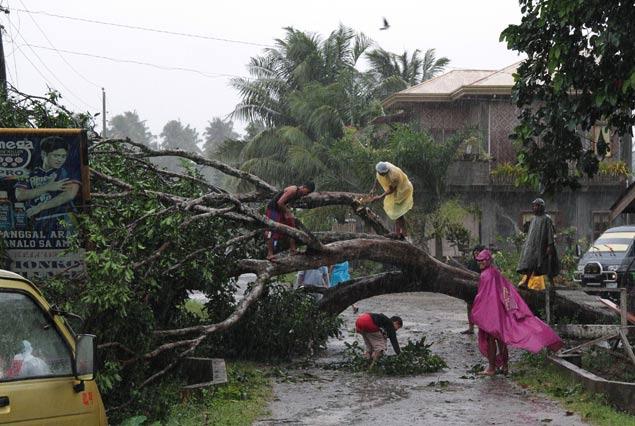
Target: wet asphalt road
{"type": "Point", "coordinates": [310, 395]}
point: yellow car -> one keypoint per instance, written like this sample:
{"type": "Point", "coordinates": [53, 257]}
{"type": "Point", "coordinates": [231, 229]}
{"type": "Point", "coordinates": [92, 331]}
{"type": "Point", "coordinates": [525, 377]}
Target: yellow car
{"type": "Point", "coordinates": [46, 372]}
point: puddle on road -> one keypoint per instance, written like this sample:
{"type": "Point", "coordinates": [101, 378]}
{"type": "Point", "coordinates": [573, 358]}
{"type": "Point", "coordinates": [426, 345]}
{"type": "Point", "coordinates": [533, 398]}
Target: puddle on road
{"type": "Point", "coordinates": [454, 396]}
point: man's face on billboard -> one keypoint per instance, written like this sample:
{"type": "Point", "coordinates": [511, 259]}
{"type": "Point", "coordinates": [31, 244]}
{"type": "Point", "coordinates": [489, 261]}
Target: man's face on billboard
{"type": "Point", "coordinates": [54, 159]}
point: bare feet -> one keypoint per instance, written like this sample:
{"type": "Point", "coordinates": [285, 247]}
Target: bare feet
{"type": "Point", "coordinates": [487, 372]}
{"type": "Point", "coordinates": [271, 257]}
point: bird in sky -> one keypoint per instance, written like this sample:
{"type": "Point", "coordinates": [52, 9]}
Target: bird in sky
{"type": "Point", "coordinates": [386, 25]}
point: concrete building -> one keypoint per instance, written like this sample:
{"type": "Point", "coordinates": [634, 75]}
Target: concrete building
{"type": "Point", "coordinates": [481, 100]}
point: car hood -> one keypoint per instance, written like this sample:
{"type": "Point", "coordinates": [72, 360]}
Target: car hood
{"type": "Point", "coordinates": [605, 259]}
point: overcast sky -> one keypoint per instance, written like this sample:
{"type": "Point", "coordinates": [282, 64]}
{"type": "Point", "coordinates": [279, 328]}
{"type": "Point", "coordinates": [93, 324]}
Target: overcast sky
{"type": "Point", "coordinates": [466, 31]}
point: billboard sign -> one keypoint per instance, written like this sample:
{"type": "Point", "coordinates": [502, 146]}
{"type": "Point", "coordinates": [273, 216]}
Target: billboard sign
{"type": "Point", "coordinates": [44, 183]}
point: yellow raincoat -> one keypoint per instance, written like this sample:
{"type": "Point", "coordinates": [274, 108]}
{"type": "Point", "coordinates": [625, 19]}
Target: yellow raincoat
{"type": "Point", "coordinates": [399, 202]}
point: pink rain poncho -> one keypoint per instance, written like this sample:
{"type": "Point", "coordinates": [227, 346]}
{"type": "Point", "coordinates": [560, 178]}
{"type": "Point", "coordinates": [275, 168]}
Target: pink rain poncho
{"type": "Point", "coordinates": [499, 311]}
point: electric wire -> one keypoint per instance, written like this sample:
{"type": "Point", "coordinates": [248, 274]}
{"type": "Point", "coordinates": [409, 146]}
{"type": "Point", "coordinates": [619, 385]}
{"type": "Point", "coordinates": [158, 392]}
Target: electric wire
{"type": "Point", "coordinates": [26, 43]}
{"type": "Point", "coordinates": [136, 62]}
{"type": "Point", "coordinates": [15, 62]}
{"type": "Point", "coordinates": [140, 28]}
{"type": "Point", "coordinates": [57, 51]}
{"type": "Point", "coordinates": [48, 83]}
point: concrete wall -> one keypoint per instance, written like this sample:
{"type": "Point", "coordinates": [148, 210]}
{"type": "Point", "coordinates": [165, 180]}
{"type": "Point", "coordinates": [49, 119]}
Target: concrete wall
{"type": "Point", "coordinates": [502, 208]}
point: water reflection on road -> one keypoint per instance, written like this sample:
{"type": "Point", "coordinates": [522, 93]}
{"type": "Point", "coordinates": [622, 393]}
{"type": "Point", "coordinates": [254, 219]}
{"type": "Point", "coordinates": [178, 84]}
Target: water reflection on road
{"type": "Point", "coordinates": [311, 395]}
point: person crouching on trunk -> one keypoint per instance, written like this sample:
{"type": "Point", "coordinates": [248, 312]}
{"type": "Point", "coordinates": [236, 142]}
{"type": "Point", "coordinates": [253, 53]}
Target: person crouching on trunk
{"type": "Point", "coordinates": [375, 330]}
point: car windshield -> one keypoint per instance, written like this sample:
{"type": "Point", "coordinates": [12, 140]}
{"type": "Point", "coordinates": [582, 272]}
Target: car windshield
{"type": "Point", "coordinates": [613, 242]}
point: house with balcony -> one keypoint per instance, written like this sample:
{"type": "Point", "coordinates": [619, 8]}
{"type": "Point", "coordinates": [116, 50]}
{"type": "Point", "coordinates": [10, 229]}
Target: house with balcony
{"type": "Point", "coordinates": [481, 100]}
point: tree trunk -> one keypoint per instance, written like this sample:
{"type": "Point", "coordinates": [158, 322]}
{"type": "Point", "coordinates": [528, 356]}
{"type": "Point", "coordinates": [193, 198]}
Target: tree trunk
{"type": "Point", "coordinates": [418, 272]}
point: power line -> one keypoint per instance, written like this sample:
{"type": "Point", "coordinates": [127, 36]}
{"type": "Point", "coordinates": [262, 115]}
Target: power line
{"type": "Point", "coordinates": [136, 62]}
{"type": "Point", "coordinates": [139, 28]}
{"type": "Point", "coordinates": [15, 64]}
{"type": "Point", "coordinates": [51, 44]}
{"type": "Point", "coordinates": [47, 68]}
{"type": "Point", "coordinates": [39, 72]}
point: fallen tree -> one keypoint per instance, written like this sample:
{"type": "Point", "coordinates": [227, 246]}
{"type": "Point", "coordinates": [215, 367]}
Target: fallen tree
{"type": "Point", "coordinates": [243, 222]}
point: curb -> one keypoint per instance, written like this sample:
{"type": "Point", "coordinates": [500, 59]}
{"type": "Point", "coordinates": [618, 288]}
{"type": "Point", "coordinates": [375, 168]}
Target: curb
{"type": "Point", "coordinates": [620, 394]}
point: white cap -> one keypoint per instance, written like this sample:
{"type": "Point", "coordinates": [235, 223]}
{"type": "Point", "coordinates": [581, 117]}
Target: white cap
{"type": "Point", "coordinates": [382, 167]}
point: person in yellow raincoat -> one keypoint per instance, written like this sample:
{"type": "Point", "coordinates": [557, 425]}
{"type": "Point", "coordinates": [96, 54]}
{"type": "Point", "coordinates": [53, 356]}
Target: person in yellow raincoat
{"type": "Point", "coordinates": [397, 194]}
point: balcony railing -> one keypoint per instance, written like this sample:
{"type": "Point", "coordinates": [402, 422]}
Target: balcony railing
{"type": "Point", "coordinates": [466, 174]}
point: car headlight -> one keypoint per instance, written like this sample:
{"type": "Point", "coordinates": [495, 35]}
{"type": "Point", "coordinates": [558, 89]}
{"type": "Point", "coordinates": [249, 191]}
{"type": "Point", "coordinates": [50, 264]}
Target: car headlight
{"type": "Point", "coordinates": [612, 267]}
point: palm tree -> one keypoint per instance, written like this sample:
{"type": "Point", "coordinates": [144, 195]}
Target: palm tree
{"type": "Point", "coordinates": [393, 73]}
{"type": "Point", "coordinates": [298, 60]}
{"type": "Point", "coordinates": [305, 90]}
{"type": "Point", "coordinates": [431, 66]}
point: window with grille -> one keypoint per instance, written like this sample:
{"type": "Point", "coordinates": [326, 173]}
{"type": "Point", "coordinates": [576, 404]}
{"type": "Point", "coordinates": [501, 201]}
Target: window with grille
{"type": "Point", "coordinates": [600, 223]}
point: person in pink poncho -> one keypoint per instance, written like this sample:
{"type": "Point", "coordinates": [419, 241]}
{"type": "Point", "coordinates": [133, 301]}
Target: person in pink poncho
{"type": "Point", "coordinates": [503, 318]}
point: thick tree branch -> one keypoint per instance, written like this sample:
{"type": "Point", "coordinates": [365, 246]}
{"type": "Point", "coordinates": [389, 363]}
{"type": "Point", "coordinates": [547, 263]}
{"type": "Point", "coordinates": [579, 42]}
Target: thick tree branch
{"type": "Point", "coordinates": [322, 199]}
{"type": "Point", "coordinates": [149, 166]}
{"type": "Point", "coordinates": [218, 165]}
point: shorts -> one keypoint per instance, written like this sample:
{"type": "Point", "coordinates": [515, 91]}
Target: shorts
{"type": "Point", "coordinates": [375, 342]}
{"type": "Point", "coordinates": [278, 217]}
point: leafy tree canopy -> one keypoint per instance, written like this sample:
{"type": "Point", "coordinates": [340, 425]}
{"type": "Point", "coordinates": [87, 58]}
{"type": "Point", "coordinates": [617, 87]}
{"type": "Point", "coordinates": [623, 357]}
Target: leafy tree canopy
{"type": "Point", "coordinates": [178, 136]}
{"type": "Point", "coordinates": [579, 71]}
{"type": "Point", "coordinates": [129, 125]}
{"type": "Point", "coordinates": [217, 131]}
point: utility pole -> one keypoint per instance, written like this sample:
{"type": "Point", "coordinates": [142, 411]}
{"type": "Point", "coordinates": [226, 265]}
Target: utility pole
{"type": "Point", "coordinates": [3, 69]}
{"type": "Point", "coordinates": [103, 113]}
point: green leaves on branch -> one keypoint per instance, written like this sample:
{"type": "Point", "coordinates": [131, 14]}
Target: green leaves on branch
{"type": "Point", "coordinates": [578, 72]}
{"type": "Point", "coordinates": [415, 358]}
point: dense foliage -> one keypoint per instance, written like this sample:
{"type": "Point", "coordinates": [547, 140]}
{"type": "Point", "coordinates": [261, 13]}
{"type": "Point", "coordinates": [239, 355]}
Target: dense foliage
{"type": "Point", "coordinates": [144, 255]}
{"type": "Point", "coordinates": [127, 292]}
{"type": "Point", "coordinates": [283, 324]}
{"type": "Point", "coordinates": [579, 73]}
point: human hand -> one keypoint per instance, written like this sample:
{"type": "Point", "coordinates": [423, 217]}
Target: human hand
{"type": "Point", "coordinates": [32, 211]}
{"type": "Point", "coordinates": [57, 185]}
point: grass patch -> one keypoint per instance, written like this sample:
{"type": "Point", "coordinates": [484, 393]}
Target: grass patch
{"type": "Point", "coordinates": [196, 308]}
{"type": "Point", "coordinates": [608, 364]}
{"type": "Point", "coordinates": [537, 373]}
{"type": "Point", "coordinates": [239, 402]}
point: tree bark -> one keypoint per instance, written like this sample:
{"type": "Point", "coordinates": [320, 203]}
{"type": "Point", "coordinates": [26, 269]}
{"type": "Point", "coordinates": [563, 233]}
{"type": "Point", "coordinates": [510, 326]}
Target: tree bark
{"type": "Point", "coordinates": [418, 272]}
